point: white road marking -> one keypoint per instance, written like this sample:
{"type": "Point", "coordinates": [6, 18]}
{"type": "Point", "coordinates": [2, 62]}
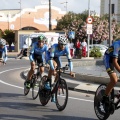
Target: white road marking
{"type": "Point", "coordinates": [23, 88]}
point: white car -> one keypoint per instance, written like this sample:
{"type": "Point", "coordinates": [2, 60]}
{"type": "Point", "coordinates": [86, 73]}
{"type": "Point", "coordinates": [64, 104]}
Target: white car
{"type": "Point", "coordinates": [102, 48]}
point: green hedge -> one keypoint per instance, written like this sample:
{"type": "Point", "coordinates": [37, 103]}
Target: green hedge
{"type": "Point", "coordinates": [95, 52]}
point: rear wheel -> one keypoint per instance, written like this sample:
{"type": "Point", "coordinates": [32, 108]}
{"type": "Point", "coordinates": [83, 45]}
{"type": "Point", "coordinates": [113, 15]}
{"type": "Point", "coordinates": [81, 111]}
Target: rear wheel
{"type": "Point", "coordinates": [61, 95]}
{"type": "Point", "coordinates": [98, 106]}
{"type": "Point", "coordinates": [44, 95]}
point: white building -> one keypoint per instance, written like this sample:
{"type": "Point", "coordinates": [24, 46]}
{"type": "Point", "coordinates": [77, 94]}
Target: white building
{"type": "Point", "coordinates": [115, 9]}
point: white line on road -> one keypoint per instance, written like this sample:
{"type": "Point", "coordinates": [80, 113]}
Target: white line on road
{"type": "Point", "coordinates": [23, 88]}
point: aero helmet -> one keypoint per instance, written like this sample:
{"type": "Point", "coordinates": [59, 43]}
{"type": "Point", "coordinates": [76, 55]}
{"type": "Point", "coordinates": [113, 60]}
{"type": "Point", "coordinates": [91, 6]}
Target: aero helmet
{"type": "Point", "coordinates": [41, 37]}
{"type": "Point", "coordinates": [62, 40]}
{"type": "Point", "coordinates": [2, 41]}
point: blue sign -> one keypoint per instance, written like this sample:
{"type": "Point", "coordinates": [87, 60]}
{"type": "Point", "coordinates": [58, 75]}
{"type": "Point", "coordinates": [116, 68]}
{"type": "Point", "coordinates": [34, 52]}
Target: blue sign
{"type": "Point", "coordinates": [71, 34]}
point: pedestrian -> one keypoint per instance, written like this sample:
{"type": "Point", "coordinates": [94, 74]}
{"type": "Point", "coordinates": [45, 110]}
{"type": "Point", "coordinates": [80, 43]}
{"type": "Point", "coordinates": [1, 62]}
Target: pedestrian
{"type": "Point", "coordinates": [77, 47]}
{"type": "Point", "coordinates": [84, 48]}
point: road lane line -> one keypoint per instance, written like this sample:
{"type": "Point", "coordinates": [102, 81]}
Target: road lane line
{"type": "Point", "coordinates": [1, 81]}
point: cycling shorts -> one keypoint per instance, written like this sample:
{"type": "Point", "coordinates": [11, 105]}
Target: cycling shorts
{"type": "Point", "coordinates": [108, 64]}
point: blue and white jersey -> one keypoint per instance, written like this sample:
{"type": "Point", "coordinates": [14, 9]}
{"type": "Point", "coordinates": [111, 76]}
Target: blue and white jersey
{"type": "Point", "coordinates": [35, 49]}
{"type": "Point", "coordinates": [3, 53]}
{"type": "Point", "coordinates": [55, 52]}
{"type": "Point", "coordinates": [114, 49]}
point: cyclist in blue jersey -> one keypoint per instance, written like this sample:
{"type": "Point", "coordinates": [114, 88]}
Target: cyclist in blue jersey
{"type": "Point", "coordinates": [53, 59]}
{"type": "Point", "coordinates": [111, 60]}
{"type": "Point", "coordinates": [36, 55]}
{"type": "Point", "coordinates": [3, 51]}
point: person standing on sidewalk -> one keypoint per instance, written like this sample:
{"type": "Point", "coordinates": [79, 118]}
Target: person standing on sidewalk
{"type": "Point", "coordinates": [111, 60]}
{"type": "Point", "coordinates": [77, 46]}
{"type": "Point", "coordinates": [84, 48]}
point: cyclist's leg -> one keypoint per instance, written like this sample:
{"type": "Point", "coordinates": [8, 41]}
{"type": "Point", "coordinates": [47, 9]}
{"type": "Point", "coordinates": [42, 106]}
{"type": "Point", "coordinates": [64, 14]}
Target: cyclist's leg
{"type": "Point", "coordinates": [30, 73]}
{"type": "Point", "coordinates": [113, 80]}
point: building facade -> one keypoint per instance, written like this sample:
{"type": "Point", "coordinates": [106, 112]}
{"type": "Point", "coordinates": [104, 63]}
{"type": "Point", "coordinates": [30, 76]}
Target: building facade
{"type": "Point", "coordinates": [30, 19]}
{"type": "Point", "coordinates": [115, 8]}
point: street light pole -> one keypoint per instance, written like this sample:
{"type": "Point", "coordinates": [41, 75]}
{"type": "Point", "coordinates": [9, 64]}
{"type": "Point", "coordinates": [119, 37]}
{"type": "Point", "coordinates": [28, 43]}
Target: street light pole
{"type": "Point", "coordinates": [110, 33]}
{"type": "Point", "coordinates": [88, 34]}
{"type": "Point", "coordinates": [20, 14]}
{"type": "Point", "coordinates": [49, 15]}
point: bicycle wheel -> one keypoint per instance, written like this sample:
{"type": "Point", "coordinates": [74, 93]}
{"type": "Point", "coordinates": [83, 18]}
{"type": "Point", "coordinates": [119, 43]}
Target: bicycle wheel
{"type": "Point", "coordinates": [44, 95]}
{"type": "Point", "coordinates": [98, 107]}
{"type": "Point", "coordinates": [26, 90]}
{"type": "Point", "coordinates": [35, 87]}
{"type": "Point", "coordinates": [61, 95]}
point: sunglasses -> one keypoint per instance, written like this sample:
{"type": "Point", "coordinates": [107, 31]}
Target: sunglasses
{"type": "Point", "coordinates": [40, 41]}
{"type": "Point", "coordinates": [63, 44]}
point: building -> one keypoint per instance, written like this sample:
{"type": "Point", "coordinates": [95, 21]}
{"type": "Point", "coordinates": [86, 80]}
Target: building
{"type": "Point", "coordinates": [29, 18]}
{"type": "Point", "coordinates": [115, 8]}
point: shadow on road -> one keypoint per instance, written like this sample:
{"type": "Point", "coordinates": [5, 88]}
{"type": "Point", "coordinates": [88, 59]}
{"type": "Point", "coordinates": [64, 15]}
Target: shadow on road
{"type": "Point", "coordinates": [45, 117]}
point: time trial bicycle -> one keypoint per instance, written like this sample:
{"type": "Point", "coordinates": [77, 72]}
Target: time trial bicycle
{"type": "Point", "coordinates": [35, 81]}
{"type": "Point", "coordinates": [114, 102]}
{"type": "Point", "coordinates": [60, 90]}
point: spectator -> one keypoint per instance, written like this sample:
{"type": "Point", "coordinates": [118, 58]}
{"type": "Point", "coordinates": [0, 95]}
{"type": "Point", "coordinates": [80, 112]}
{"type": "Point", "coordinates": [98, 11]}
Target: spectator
{"type": "Point", "coordinates": [23, 51]}
{"type": "Point", "coordinates": [77, 46]}
{"type": "Point", "coordinates": [71, 46]}
{"type": "Point", "coordinates": [51, 42]}
{"type": "Point", "coordinates": [84, 48]}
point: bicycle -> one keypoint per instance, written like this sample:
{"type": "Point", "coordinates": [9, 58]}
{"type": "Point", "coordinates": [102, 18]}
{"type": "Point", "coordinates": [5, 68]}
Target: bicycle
{"type": "Point", "coordinates": [59, 89]}
{"type": "Point", "coordinates": [114, 100]}
{"type": "Point", "coordinates": [35, 81]}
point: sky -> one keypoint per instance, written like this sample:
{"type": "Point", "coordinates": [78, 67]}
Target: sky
{"type": "Point", "coordinates": [76, 6]}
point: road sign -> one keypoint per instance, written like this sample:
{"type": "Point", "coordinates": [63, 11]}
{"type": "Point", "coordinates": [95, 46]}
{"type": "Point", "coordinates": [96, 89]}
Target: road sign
{"type": "Point", "coordinates": [89, 29]}
{"type": "Point", "coordinates": [89, 20]}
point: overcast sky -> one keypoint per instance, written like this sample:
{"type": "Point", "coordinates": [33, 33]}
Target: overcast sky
{"type": "Point", "coordinates": [77, 6]}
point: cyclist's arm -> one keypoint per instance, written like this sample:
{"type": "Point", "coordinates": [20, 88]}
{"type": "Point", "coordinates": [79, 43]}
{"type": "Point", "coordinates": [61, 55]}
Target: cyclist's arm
{"type": "Point", "coordinates": [32, 52]}
{"type": "Point", "coordinates": [51, 57]}
{"type": "Point", "coordinates": [115, 57]}
{"type": "Point", "coordinates": [69, 59]}
{"type": "Point", "coordinates": [5, 54]}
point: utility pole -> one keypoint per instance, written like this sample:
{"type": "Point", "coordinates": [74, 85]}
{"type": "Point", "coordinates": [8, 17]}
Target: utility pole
{"type": "Point", "coordinates": [88, 34]}
{"type": "Point", "coordinates": [49, 15]}
{"type": "Point", "coordinates": [110, 32]}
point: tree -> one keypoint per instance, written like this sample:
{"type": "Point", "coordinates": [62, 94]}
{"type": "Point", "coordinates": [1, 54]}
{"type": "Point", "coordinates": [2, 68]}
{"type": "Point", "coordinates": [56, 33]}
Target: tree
{"type": "Point", "coordinates": [9, 36]}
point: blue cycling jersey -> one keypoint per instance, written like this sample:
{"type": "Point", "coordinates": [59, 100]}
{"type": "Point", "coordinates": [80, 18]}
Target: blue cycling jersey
{"type": "Point", "coordinates": [114, 49]}
{"type": "Point", "coordinates": [35, 49]}
{"type": "Point", "coordinates": [3, 53]}
{"type": "Point", "coordinates": [55, 52]}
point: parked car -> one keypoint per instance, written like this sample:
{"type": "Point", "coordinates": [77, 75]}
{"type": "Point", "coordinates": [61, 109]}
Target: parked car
{"type": "Point", "coordinates": [102, 48]}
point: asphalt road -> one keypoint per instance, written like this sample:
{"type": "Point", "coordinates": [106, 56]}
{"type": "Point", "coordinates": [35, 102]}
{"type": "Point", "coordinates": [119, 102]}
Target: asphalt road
{"type": "Point", "coordinates": [15, 106]}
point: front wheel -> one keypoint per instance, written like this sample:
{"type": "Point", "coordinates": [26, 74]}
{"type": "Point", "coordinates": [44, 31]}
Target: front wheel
{"type": "Point", "coordinates": [35, 88]}
{"type": "Point", "coordinates": [44, 95]}
{"type": "Point", "coordinates": [61, 95]}
{"type": "Point", "coordinates": [98, 106]}
{"type": "Point", "coordinates": [26, 90]}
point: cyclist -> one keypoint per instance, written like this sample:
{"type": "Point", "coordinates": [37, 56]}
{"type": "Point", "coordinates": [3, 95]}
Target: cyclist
{"type": "Point", "coordinates": [3, 51]}
{"type": "Point", "coordinates": [36, 55]}
{"type": "Point", "coordinates": [53, 59]}
{"type": "Point", "coordinates": [111, 61]}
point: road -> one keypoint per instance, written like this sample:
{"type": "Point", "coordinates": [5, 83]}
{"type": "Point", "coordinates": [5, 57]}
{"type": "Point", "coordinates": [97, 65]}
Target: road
{"type": "Point", "coordinates": [15, 106]}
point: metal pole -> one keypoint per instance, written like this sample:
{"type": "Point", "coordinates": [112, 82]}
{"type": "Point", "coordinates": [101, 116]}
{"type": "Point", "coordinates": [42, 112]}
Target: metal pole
{"type": "Point", "coordinates": [49, 15]}
{"type": "Point", "coordinates": [88, 34]}
{"type": "Point", "coordinates": [110, 33]}
{"type": "Point", "coordinates": [20, 14]}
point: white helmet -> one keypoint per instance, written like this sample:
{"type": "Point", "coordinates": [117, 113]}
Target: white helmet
{"type": "Point", "coordinates": [62, 39]}
{"type": "Point", "coordinates": [2, 41]}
